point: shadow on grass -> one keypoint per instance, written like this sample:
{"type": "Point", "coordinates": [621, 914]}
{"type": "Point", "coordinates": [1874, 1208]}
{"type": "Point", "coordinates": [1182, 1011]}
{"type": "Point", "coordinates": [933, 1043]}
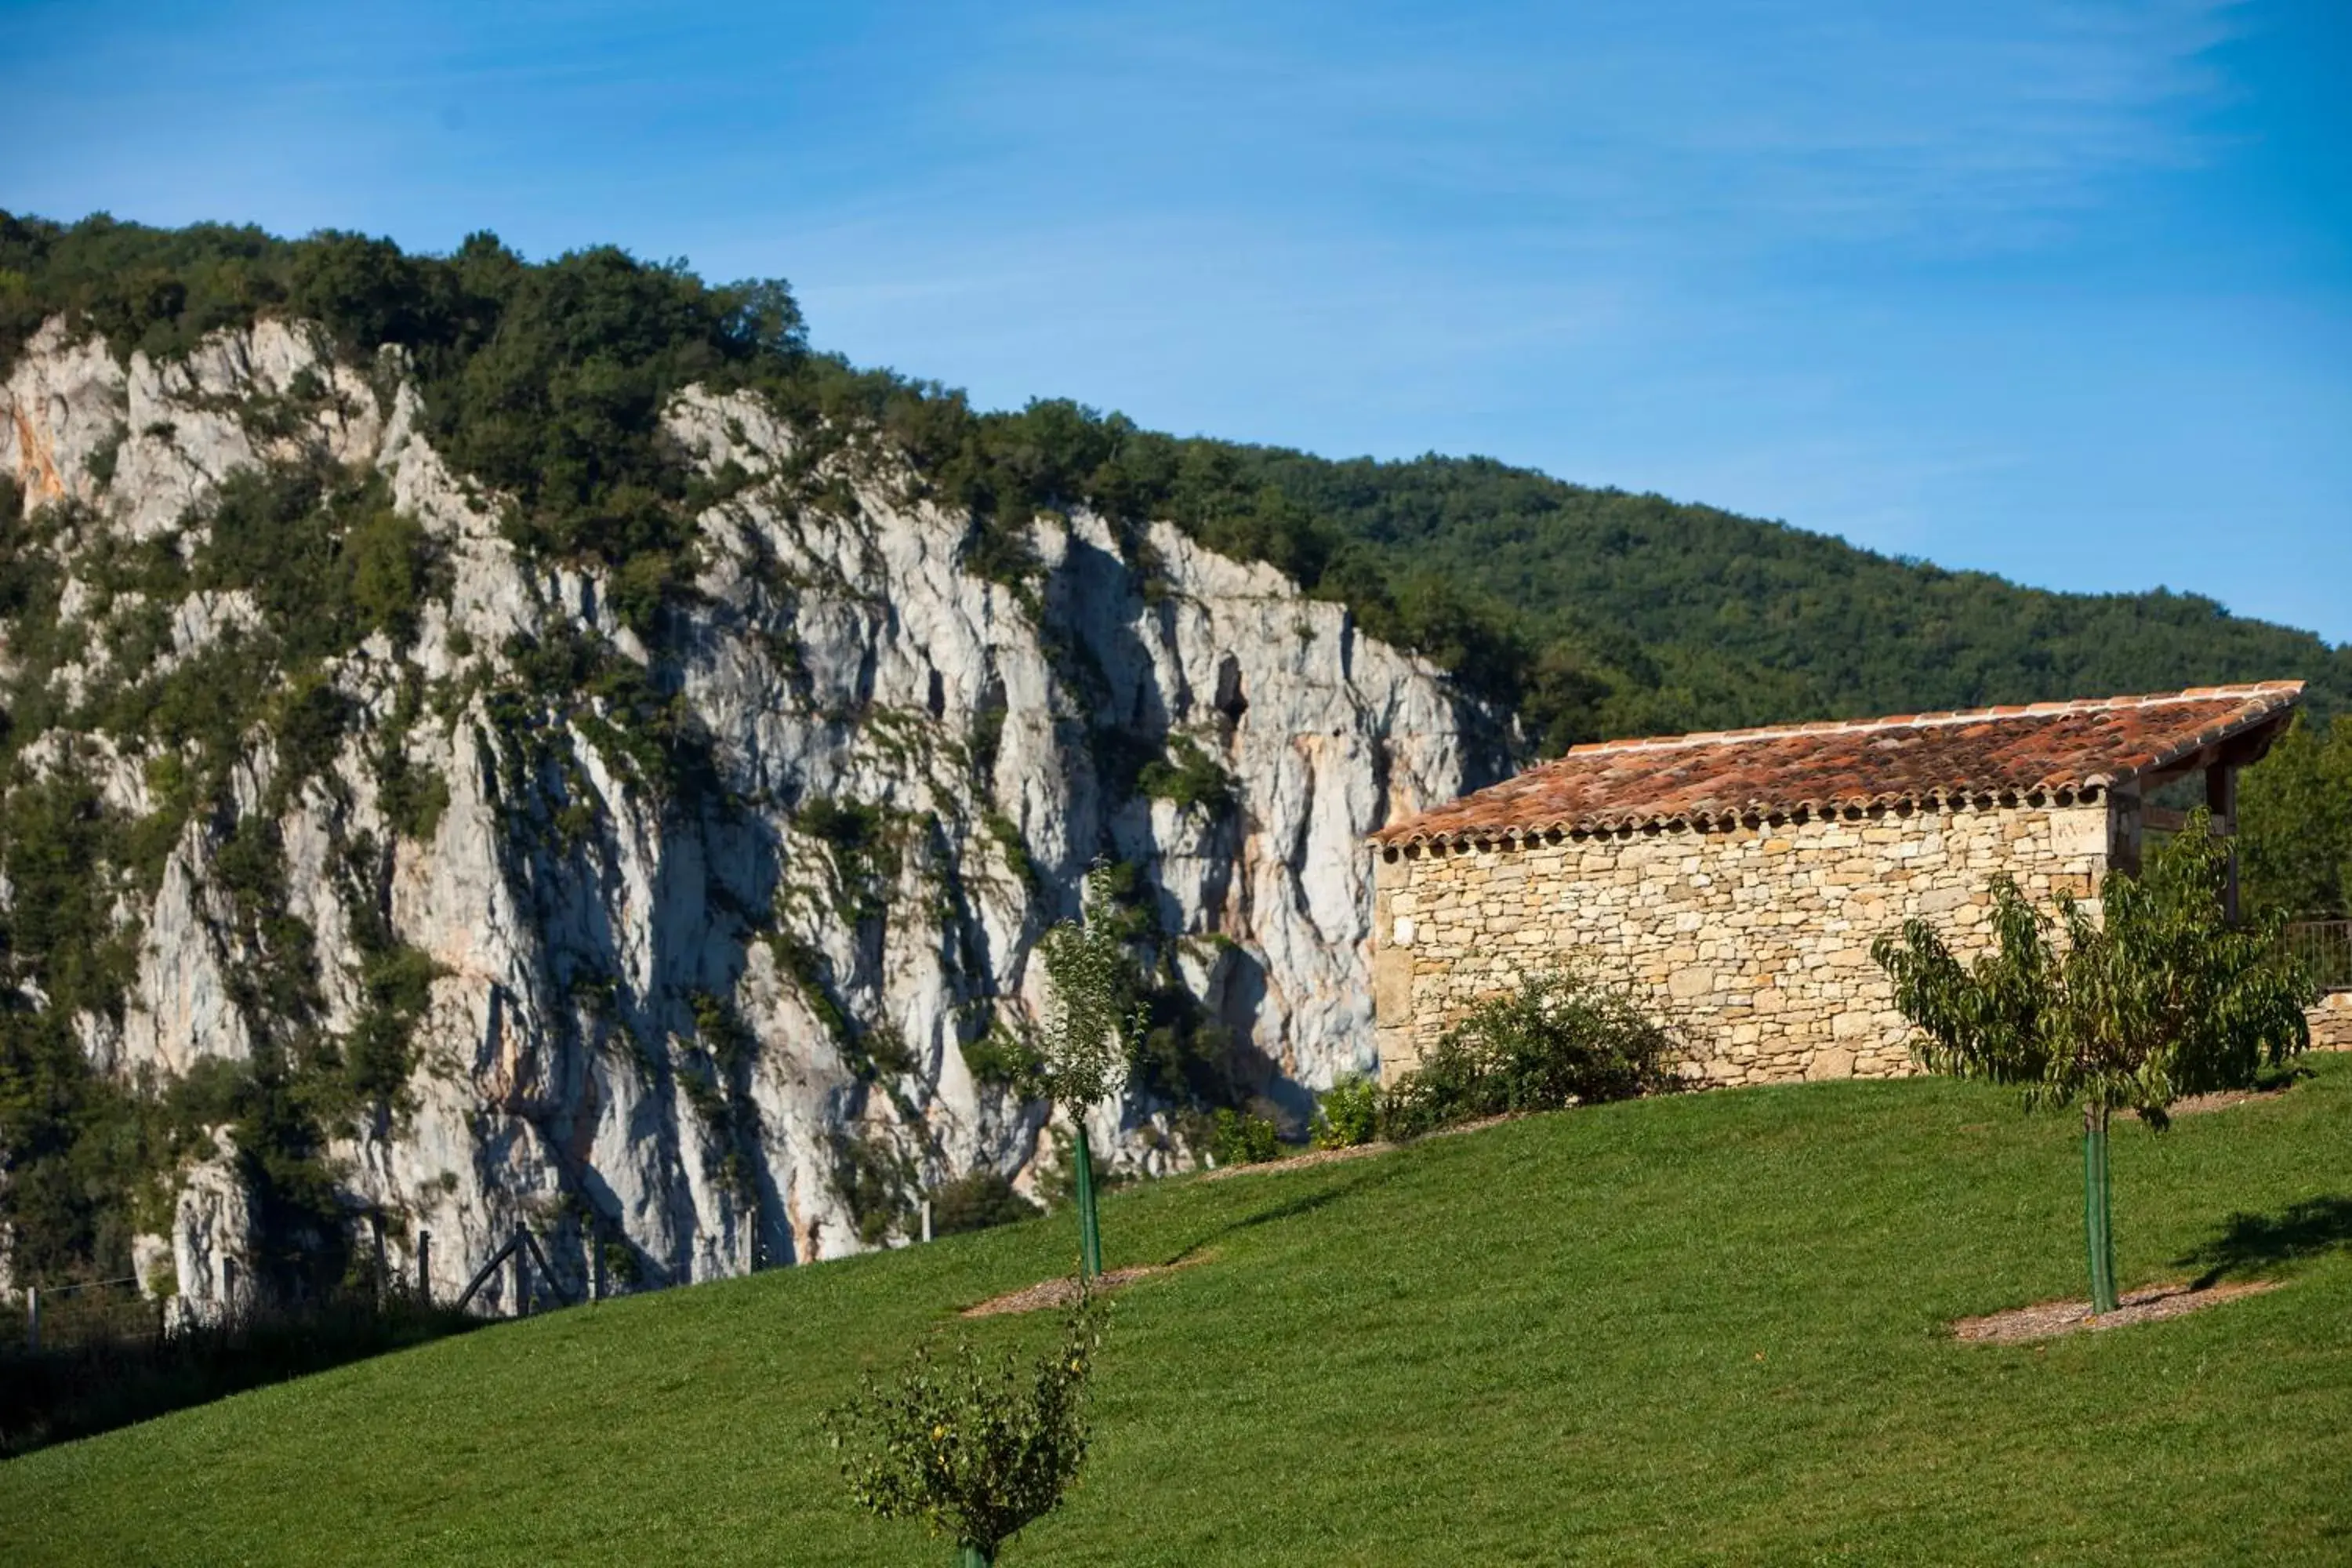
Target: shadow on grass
{"type": "Point", "coordinates": [56, 1393]}
{"type": "Point", "coordinates": [2251, 1243]}
{"type": "Point", "coordinates": [1291, 1209]}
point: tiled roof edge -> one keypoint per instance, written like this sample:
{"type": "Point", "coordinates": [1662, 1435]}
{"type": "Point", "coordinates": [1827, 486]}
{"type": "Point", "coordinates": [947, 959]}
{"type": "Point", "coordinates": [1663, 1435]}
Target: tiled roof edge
{"type": "Point", "coordinates": [1959, 797]}
{"type": "Point", "coordinates": [2253, 711]}
{"type": "Point", "coordinates": [2290, 690]}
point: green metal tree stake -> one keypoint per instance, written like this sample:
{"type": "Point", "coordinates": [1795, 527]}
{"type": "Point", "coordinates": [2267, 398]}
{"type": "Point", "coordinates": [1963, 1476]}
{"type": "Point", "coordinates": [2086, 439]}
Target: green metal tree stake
{"type": "Point", "coordinates": [1089, 1231]}
{"type": "Point", "coordinates": [2098, 1217]}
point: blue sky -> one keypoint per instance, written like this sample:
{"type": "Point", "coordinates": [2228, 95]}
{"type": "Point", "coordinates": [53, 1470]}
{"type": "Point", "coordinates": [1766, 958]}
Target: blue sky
{"type": "Point", "coordinates": [2061, 290]}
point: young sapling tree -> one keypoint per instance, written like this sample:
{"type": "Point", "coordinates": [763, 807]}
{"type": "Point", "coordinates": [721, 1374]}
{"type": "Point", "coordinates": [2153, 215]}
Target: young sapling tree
{"type": "Point", "coordinates": [976, 1450]}
{"type": "Point", "coordinates": [1084, 1035]}
{"type": "Point", "coordinates": [2129, 1008]}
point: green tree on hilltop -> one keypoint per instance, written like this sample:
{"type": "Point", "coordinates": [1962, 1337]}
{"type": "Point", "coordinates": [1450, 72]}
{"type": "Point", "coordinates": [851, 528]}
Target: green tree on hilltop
{"type": "Point", "coordinates": [2295, 824]}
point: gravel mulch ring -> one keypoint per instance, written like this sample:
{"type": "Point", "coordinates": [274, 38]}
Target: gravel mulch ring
{"type": "Point", "coordinates": [2048, 1320]}
{"type": "Point", "coordinates": [1049, 1294]}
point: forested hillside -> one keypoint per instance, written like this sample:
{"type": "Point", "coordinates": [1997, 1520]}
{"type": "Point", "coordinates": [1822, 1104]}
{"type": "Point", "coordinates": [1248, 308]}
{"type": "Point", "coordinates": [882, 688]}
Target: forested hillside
{"type": "Point", "coordinates": [1708, 619]}
{"type": "Point", "coordinates": [1589, 612]}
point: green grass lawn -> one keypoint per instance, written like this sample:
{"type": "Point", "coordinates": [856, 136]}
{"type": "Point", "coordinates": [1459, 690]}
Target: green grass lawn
{"type": "Point", "coordinates": [1701, 1329]}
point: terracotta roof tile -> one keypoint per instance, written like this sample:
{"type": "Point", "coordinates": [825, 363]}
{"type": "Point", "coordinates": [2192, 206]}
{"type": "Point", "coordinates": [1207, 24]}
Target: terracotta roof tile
{"type": "Point", "coordinates": [2060, 751]}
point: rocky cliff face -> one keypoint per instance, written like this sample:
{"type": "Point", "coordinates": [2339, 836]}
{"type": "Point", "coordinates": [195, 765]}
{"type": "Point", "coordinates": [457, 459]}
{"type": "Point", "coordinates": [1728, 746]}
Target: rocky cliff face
{"type": "Point", "coordinates": [700, 933]}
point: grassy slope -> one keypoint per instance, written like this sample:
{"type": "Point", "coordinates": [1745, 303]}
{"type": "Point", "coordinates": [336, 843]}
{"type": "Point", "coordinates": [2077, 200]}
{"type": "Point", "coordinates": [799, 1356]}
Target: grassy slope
{"type": "Point", "coordinates": [1703, 1327]}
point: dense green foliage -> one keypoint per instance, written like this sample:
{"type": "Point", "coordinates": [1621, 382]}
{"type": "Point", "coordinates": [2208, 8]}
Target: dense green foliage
{"type": "Point", "coordinates": [1243, 1138]}
{"type": "Point", "coordinates": [1558, 1040]}
{"type": "Point", "coordinates": [1188, 776]}
{"type": "Point", "coordinates": [1722, 1315]}
{"type": "Point", "coordinates": [1348, 1113]}
{"type": "Point", "coordinates": [2153, 997]}
{"type": "Point", "coordinates": [978, 1452]}
{"type": "Point", "coordinates": [2295, 824]}
{"type": "Point", "coordinates": [1698, 618]}
{"type": "Point", "coordinates": [1587, 610]}
{"type": "Point", "coordinates": [975, 1202]}
{"type": "Point", "coordinates": [2131, 1006]}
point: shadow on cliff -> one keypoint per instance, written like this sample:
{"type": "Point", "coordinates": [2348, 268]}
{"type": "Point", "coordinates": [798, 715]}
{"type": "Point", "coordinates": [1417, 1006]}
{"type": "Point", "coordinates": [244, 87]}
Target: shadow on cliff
{"type": "Point", "coordinates": [1202, 1050]}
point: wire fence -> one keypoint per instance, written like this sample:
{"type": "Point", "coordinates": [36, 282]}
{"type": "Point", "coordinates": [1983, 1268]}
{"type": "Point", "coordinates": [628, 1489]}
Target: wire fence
{"type": "Point", "coordinates": [2325, 949]}
{"type": "Point", "coordinates": [90, 1311]}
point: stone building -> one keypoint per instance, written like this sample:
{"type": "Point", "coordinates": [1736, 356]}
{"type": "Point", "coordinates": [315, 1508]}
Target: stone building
{"type": "Point", "coordinates": [1735, 881]}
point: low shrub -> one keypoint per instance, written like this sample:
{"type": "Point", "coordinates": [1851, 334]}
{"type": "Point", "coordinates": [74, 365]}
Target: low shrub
{"type": "Point", "coordinates": [1557, 1041]}
{"type": "Point", "coordinates": [1348, 1113]}
{"type": "Point", "coordinates": [1003, 1059]}
{"type": "Point", "coordinates": [976, 1202]}
{"type": "Point", "coordinates": [1189, 777]}
{"type": "Point", "coordinates": [974, 1450]}
{"type": "Point", "coordinates": [871, 1179]}
{"type": "Point", "coordinates": [1238, 1138]}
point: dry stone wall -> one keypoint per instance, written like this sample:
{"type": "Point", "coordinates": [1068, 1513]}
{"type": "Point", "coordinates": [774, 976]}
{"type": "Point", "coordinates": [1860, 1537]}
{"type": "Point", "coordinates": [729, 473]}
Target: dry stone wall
{"type": "Point", "coordinates": [1753, 941]}
{"type": "Point", "coordinates": [2331, 1021]}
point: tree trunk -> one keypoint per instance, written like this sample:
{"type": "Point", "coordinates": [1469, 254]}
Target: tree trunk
{"type": "Point", "coordinates": [973, 1554]}
{"type": "Point", "coordinates": [1089, 1231]}
{"type": "Point", "coordinates": [2098, 1233]}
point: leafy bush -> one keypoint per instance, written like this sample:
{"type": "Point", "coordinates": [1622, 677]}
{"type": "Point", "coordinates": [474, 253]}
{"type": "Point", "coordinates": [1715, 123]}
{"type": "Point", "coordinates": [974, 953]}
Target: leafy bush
{"type": "Point", "coordinates": [397, 983]}
{"type": "Point", "coordinates": [1003, 1059]}
{"type": "Point", "coordinates": [975, 1451]}
{"type": "Point", "coordinates": [1189, 777]}
{"type": "Point", "coordinates": [1348, 1113]}
{"type": "Point", "coordinates": [413, 795]}
{"type": "Point", "coordinates": [872, 1181]}
{"type": "Point", "coordinates": [976, 1202]}
{"type": "Point", "coordinates": [1238, 1138]}
{"type": "Point", "coordinates": [863, 841]}
{"type": "Point", "coordinates": [1555, 1042]}
{"type": "Point", "coordinates": [2155, 996]}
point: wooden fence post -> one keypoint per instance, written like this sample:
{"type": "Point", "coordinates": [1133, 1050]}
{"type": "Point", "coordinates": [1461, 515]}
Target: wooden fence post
{"type": "Point", "coordinates": [424, 1269]}
{"type": "Point", "coordinates": [521, 1277]}
{"type": "Point", "coordinates": [33, 1317]}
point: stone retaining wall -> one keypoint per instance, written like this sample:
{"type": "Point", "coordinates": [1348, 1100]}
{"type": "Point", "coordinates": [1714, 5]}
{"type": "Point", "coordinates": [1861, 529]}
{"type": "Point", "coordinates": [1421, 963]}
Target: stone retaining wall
{"type": "Point", "coordinates": [2331, 1021]}
{"type": "Point", "coordinates": [1754, 942]}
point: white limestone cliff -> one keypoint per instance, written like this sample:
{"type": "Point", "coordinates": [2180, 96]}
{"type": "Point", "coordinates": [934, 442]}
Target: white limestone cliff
{"type": "Point", "coordinates": [832, 650]}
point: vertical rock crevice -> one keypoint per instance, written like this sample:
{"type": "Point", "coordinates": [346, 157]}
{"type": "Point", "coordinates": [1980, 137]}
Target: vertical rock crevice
{"type": "Point", "coordinates": [720, 921]}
